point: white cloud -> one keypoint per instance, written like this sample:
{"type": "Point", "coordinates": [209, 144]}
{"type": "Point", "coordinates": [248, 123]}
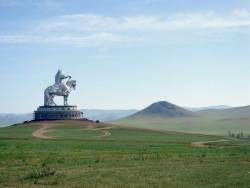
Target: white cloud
{"type": "Point", "coordinates": [87, 40]}
{"type": "Point", "coordinates": [91, 22]}
{"type": "Point", "coordinates": [92, 29]}
{"type": "Point", "coordinates": [243, 13]}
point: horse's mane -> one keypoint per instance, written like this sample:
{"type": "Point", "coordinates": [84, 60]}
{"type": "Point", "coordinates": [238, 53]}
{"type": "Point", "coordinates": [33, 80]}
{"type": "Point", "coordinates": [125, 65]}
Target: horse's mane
{"type": "Point", "coordinates": [70, 82]}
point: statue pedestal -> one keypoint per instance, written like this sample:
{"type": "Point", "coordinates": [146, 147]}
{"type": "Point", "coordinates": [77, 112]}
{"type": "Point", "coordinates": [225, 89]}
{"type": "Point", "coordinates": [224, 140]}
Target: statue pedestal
{"type": "Point", "coordinates": [57, 113]}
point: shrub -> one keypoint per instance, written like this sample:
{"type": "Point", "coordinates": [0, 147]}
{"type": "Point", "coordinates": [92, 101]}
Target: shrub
{"type": "Point", "coordinates": [44, 171]}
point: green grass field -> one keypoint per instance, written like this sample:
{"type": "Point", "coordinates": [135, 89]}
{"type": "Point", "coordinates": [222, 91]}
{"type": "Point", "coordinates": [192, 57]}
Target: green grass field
{"type": "Point", "coordinates": [82, 157]}
{"type": "Point", "coordinates": [201, 124]}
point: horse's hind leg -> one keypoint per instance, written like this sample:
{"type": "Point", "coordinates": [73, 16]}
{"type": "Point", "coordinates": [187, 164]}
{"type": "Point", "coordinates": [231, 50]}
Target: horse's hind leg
{"type": "Point", "coordinates": [46, 98]}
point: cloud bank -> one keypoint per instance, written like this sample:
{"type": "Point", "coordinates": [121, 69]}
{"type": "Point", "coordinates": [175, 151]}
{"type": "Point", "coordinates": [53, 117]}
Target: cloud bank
{"type": "Point", "coordinates": [93, 29]}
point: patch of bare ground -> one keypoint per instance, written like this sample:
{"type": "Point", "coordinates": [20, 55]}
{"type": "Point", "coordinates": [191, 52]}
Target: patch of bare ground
{"type": "Point", "coordinates": [105, 133]}
{"type": "Point", "coordinates": [205, 144]}
{"type": "Point", "coordinates": [104, 130]}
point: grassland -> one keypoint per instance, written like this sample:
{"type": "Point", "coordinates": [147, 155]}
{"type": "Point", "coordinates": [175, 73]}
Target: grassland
{"type": "Point", "coordinates": [211, 122]}
{"type": "Point", "coordinates": [82, 155]}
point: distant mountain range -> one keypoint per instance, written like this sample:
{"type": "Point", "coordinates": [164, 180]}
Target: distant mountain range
{"type": "Point", "coordinates": [218, 107]}
{"type": "Point", "coordinates": [107, 115]}
{"type": "Point", "coordinates": [9, 119]}
{"type": "Point", "coordinates": [161, 109]}
{"type": "Point", "coordinates": [230, 113]}
{"type": "Point", "coordinates": [93, 114]}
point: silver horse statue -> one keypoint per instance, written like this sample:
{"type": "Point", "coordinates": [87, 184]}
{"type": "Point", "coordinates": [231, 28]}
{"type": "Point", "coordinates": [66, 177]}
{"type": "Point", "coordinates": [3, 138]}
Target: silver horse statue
{"type": "Point", "coordinates": [59, 89]}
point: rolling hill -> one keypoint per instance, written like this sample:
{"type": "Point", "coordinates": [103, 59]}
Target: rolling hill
{"type": "Point", "coordinates": [237, 112]}
{"type": "Point", "coordinates": [162, 109]}
{"type": "Point", "coordinates": [166, 116]}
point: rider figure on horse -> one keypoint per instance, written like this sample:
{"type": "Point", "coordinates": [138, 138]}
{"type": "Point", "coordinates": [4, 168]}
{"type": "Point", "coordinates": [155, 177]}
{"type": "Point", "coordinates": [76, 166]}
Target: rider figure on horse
{"type": "Point", "coordinates": [59, 78]}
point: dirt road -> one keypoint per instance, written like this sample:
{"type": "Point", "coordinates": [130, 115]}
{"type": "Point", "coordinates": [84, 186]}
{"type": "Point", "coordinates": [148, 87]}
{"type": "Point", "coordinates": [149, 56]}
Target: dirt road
{"type": "Point", "coordinates": [40, 132]}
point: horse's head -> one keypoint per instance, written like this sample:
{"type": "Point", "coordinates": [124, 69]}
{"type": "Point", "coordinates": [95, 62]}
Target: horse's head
{"type": "Point", "coordinates": [71, 84]}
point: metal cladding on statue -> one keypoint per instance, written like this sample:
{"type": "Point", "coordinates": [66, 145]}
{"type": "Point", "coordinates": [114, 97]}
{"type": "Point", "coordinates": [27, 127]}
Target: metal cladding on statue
{"type": "Point", "coordinates": [59, 89]}
{"type": "Point", "coordinates": [51, 110]}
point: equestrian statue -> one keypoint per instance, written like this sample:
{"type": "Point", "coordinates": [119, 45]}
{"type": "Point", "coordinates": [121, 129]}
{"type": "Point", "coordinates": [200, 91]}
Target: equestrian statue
{"type": "Point", "coordinates": [60, 88]}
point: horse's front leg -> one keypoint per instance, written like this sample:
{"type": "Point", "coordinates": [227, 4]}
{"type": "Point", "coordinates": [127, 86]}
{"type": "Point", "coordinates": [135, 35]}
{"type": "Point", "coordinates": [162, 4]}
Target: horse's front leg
{"type": "Point", "coordinates": [65, 100]}
{"type": "Point", "coordinates": [52, 100]}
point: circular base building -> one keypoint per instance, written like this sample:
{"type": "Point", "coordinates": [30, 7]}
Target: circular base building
{"type": "Point", "coordinates": [57, 113]}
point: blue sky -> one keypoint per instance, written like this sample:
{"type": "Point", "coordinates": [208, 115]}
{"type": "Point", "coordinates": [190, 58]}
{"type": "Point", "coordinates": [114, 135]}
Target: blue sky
{"type": "Point", "coordinates": [125, 53]}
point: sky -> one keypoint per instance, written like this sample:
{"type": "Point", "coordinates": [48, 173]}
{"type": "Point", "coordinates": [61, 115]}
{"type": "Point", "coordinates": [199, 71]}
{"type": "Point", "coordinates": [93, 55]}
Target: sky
{"type": "Point", "coordinates": [125, 54]}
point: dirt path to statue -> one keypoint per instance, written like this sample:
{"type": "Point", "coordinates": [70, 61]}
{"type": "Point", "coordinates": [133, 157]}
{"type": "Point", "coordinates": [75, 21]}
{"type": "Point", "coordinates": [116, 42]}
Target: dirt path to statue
{"type": "Point", "coordinates": [40, 132]}
{"type": "Point", "coordinates": [47, 126]}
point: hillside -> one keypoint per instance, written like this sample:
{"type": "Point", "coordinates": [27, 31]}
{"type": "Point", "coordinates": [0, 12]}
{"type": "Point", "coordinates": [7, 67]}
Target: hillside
{"type": "Point", "coordinates": [87, 154]}
{"type": "Point", "coordinates": [213, 121]}
{"type": "Point", "coordinates": [162, 109]}
{"type": "Point", "coordinates": [237, 112]}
